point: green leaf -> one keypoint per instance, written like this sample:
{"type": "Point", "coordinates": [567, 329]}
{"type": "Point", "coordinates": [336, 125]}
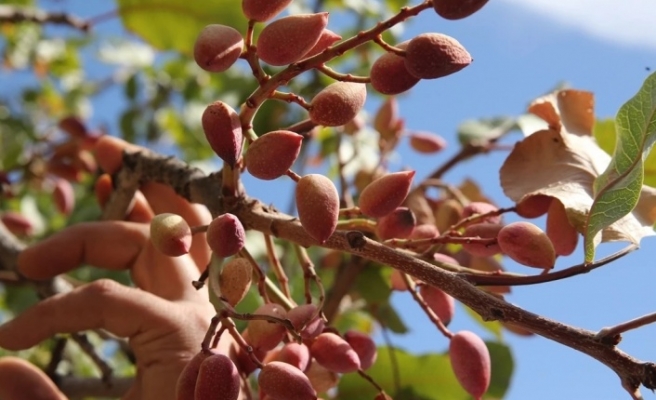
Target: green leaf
{"type": "Point", "coordinates": [493, 327]}
{"type": "Point", "coordinates": [372, 284]}
{"type": "Point", "coordinates": [427, 376]}
{"type": "Point", "coordinates": [502, 369]}
{"type": "Point", "coordinates": [618, 188]}
{"type": "Point", "coordinates": [175, 24]}
{"type": "Point", "coordinates": [132, 87]}
{"type": "Point", "coordinates": [482, 130]}
{"type": "Point", "coordinates": [388, 317]}
{"type": "Point", "coordinates": [604, 133]}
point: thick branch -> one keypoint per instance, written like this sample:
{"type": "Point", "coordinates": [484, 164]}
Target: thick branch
{"type": "Point", "coordinates": [191, 184]}
{"type": "Point", "coordinates": [255, 215]}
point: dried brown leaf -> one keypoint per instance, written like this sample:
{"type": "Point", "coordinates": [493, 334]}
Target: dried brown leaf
{"type": "Point", "coordinates": [565, 165]}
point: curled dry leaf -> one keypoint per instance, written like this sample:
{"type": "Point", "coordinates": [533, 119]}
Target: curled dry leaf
{"type": "Point", "coordinates": [564, 161]}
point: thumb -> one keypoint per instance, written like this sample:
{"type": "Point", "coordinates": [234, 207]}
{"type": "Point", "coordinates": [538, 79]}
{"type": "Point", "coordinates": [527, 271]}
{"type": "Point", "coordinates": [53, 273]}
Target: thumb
{"type": "Point", "coordinates": [20, 380]}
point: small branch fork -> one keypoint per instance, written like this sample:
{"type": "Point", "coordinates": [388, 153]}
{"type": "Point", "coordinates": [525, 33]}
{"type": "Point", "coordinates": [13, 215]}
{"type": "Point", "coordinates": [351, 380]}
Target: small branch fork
{"type": "Point", "coordinates": [257, 216]}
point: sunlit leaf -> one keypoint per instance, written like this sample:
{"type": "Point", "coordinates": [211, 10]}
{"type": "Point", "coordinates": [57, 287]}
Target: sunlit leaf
{"type": "Point", "coordinates": [555, 162]}
{"type": "Point", "coordinates": [482, 130]}
{"type": "Point", "coordinates": [617, 190]}
{"type": "Point", "coordinates": [175, 24]}
{"type": "Point", "coordinates": [502, 369]}
{"type": "Point", "coordinates": [604, 132]}
{"type": "Point", "coordinates": [493, 327]}
{"type": "Point", "coordinates": [428, 376]}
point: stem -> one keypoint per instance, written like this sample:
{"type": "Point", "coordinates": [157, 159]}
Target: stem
{"type": "Point", "coordinates": [420, 300]}
{"type": "Point", "coordinates": [276, 266]}
{"type": "Point", "coordinates": [230, 181]}
{"type": "Point", "coordinates": [261, 284]}
{"type": "Point", "coordinates": [504, 279]}
{"type": "Point", "coordinates": [342, 77]}
{"type": "Point", "coordinates": [199, 229]}
{"type": "Point", "coordinates": [613, 333]}
{"type": "Point", "coordinates": [309, 274]}
{"type": "Point", "coordinates": [11, 14]}
{"type": "Point", "coordinates": [290, 98]}
{"type": "Point", "coordinates": [255, 100]}
{"type": "Point", "coordinates": [412, 243]}
{"type": "Point", "coordinates": [359, 224]}
{"type": "Point", "coordinates": [345, 198]}
{"type": "Point", "coordinates": [476, 218]}
{"type": "Point", "coordinates": [350, 212]}
{"type": "Point", "coordinates": [202, 279]}
{"type": "Point", "coordinates": [344, 280]}
{"type": "Point", "coordinates": [209, 335]}
{"type": "Point", "coordinates": [396, 378]}
{"type": "Point", "coordinates": [370, 380]}
{"type": "Point", "coordinates": [83, 341]}
{"type": "Point", "coordinates": [232, 313]}
{"type": "Point", "coordinates": [232, 329]}
{"type": "Point", "coordinates": [191, 184]}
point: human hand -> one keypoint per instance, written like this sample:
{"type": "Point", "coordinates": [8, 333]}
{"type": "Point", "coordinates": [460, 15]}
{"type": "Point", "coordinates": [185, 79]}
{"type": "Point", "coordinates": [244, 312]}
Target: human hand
{"type": "Point", "coordinates": [164, 316]}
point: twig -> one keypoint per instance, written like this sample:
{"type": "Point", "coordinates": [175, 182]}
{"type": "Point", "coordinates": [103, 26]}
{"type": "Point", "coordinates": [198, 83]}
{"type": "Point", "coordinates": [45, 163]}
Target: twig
{"type": "Point", "coordinates": [503, 279]}
{"type": "Point", "coordinates": [338, 76]}
{"type": "Point", "coordinates": [613, 333]}
{"type": "Point", "coordinates": [429, 312]}
{"type": "Point", "coordinates": [230, 312]}
{"type": "Point", "coordinates": [232, 329]}
{"type": "Point", "coordinates": [309, 274]}
{"type": "Point", "coordinates": [345, 198]}
{"type": "Point", "coordinates": [396, 376]}
{"type": "Point", "coordinates": [86, 346]}
{"type": "Point", "coordinates": [209, 335]}
{"type": "Point", "coordinates": [56, 355]}
{"type": "Point", "coordinates": [450, 189]}
{"type": "Point", "coordinates": [345, 278]}
{"type": "Point", "coordinates": [261, 285]}
{"type": "Point", "coordinates": [257, 216]}
{"type": "Point", "coordinates": [255, 100]}
{"type": "Point", "coordinates": [290, 98]}
{"type": "Point", "coordinates": [277, 266]}
{"type": "Point", "coordinates": [444, 239]}
{"type": "Point", "coordinates": [14, 14]}
{"type": "Point", "coordinates": [370, 380]}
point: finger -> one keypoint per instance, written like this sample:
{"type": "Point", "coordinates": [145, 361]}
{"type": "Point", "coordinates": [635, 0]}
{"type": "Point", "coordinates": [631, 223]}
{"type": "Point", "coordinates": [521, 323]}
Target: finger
{"type": "Point", "coordinates": [21, 380]}
{"type": "Point", "coordinates": [138, 210]}
{"type": "Point", "coordinates": [109, 152]}
{"type": "Point", "coordinates": [102, 304]}
{"type": "Point", "coordinates": [114, 245]}
{"type": "Point", "coordinates": [111, 245]}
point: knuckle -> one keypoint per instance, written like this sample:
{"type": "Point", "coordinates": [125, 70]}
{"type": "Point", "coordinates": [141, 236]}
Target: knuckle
{"type": "Point", "coordinates": [102, 288]}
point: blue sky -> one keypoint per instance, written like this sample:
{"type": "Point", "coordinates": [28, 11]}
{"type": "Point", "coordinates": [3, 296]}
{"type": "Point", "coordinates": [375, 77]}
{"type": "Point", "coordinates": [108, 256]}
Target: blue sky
{"type": "Point", "coordinates": [523, 48]}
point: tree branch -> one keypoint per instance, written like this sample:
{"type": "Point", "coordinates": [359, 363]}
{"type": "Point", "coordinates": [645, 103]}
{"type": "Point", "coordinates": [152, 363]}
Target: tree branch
{"type": "Point", "coordinates": [20, 14]}
{"type": "Point", "coordinates": [257, 216]}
